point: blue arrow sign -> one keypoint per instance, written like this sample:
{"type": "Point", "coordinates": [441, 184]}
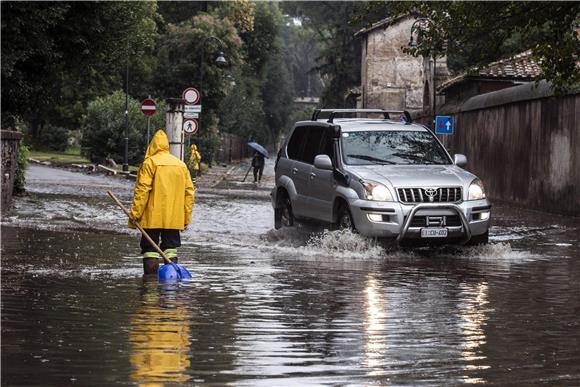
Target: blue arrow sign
{"type": "Point", "coordinates": [444, 125]}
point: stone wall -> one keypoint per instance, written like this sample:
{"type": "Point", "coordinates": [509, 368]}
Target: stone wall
{"type": "Point", "coordinates": [10, 143]}
{"type": "Point", "coordinates": [524, 143]}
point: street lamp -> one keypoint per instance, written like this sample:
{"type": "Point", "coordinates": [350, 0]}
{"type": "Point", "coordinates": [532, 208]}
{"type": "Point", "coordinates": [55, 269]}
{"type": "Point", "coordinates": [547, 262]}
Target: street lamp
{"type": "Point", "coordinates": [419, 24]}
{"type": "Point", "coordinates": [220, 61]}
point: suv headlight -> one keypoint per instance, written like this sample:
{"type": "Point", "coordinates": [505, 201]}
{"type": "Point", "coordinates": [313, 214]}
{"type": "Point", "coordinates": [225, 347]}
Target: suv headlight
{"type": "Point", "coordinates": [476, 191]}
{"type": "Point", "coordinates": [376, 191]}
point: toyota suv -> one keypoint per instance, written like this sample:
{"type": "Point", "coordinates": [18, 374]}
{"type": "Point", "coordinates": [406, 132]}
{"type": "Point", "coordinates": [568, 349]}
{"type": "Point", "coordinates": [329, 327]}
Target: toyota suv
{"type": "Point", "coordinates": [380, 177]}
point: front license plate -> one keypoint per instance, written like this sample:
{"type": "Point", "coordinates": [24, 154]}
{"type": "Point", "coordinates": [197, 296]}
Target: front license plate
{"type": "Point", "coordinates": [433, 233]}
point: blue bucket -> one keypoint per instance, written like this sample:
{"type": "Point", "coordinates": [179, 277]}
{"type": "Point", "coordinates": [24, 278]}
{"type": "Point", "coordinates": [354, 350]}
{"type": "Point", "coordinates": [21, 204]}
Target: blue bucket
{"type": "Point", "coordinates": [172, 272]}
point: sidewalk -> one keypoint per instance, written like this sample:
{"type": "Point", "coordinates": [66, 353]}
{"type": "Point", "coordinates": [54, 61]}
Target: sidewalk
{"type": "Point", "coordinates": [229, 176]}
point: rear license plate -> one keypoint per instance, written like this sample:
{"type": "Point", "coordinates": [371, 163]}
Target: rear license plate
{"type": "Point", "coordinates": [433, 233]}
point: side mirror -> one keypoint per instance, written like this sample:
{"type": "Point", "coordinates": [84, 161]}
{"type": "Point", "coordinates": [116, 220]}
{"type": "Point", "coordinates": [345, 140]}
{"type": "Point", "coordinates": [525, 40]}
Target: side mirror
{"type": "Point", "coordinates": [460, 160]}
{"type": "Point", "coordinates": [323, 162]}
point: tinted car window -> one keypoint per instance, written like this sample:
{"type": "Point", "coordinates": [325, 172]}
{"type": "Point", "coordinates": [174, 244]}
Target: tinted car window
{"type": "Point", "coordinates": [296, 143]}
{"type": "Point", "coordinates": [392, 147]}
{"type": "Point", "coordinates": [312, 145]}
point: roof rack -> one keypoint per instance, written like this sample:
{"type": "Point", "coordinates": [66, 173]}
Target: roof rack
{"type": "Point", "coordinates": [385, 113]}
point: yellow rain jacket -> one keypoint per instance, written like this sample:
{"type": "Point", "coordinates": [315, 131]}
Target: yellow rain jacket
{"type": "Point", "coordinates": [194, 158]}
{"type": "Point", "coordinates": [164, 193]}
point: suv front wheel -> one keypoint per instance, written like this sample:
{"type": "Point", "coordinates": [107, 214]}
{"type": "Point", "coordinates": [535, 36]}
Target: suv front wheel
{"type": "Point", "coordinates": [344, 219]}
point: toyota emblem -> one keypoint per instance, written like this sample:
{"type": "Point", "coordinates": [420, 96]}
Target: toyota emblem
{"type": "Point", "coordinates": [430, 193]}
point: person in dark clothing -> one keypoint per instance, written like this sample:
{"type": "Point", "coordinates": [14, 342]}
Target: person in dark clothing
{"type": "Point", "coordinates": [258, 164]}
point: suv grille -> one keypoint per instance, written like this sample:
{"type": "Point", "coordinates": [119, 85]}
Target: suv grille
{"type": "Point", "coordinates": [436, 195]}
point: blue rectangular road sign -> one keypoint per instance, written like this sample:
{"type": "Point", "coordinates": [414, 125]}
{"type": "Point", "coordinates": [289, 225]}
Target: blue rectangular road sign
{"type": "Point", "coordinates": [444, 125]}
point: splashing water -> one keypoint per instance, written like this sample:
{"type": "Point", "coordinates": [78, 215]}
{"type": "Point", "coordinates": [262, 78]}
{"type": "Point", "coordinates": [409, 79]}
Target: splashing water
{"type": "Point", "coordinates": [345, 243]}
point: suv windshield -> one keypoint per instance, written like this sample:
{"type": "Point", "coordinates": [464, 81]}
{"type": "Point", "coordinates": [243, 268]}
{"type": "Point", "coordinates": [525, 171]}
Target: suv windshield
{"type": "Point", "coordinates": [392, 147]}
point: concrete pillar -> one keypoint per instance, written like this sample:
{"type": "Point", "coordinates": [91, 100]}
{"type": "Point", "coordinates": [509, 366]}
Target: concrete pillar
{"type": "Point", "coordinates": [174, 126]}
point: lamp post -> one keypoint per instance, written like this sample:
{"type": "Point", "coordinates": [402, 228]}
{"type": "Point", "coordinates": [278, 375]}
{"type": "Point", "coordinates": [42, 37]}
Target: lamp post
{"type": "Point", "coordinates": [220, 61]}
{"type": "Point", "coordinates": [126, 156]}
{"type": "Point", "coordinates": [417, 25]}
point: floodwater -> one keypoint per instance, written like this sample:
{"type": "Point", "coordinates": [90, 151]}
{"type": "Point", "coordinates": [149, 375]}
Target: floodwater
{"type": "Point", "coordinates": [292, 307]}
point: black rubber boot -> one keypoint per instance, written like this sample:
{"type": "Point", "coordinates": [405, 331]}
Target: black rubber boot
{"type": "Point", "coordinates": [150, 265]}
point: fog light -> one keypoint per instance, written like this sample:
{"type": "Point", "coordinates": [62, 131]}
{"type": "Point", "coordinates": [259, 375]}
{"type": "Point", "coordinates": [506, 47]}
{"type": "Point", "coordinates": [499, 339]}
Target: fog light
{"type": "Point", "coordinates": [484, 215]}
{"type": "Point", "coordinates": [375, 217]}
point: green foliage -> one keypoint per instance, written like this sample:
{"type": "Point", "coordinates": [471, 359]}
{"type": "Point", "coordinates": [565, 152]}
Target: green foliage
{"type": "Point", "coordinates": [473, 34]}
{"type": "Point", "coordinates": [53, 138]}
{"type": "Point", "coordinates": [241, 111]}
{"type": "Point", "coordinates": [104, 129]}
{"type": "Point", "coordinates": [57, 56]}
{"type": "Point", "coordinates": [179, 56]}
{"type": "Point", "coordinates": [21, 164]}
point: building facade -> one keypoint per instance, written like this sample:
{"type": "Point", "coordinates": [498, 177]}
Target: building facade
{"type": "Point", "coordinates": [391, 78]}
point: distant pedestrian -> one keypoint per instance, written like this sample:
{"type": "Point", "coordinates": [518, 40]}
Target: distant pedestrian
{"type": "Point", "coordinates": [195, 162]}
{"type": "Point", "coordinates": [258, 164]}
{"type": "Point", "coordinates": [162, 201]}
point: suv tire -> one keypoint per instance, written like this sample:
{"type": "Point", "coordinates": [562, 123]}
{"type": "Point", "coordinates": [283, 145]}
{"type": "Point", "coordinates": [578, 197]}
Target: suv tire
{"type": "Point", "coordinates": [344, 219]}
{"type": "Point", "coordinates": [283, 216]}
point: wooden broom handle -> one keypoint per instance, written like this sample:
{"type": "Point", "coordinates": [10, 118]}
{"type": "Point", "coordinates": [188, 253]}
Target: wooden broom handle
{"type": "Point", "coordinates": [165, 259]}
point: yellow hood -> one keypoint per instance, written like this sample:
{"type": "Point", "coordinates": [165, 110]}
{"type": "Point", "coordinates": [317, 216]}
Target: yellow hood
{"type": "Point", "coordinates": [158, 144]}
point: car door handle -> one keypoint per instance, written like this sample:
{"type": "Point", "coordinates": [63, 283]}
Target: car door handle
{"type": "Point", "coordinates": [294, 170]}
{"type": "Point", "coordinates": [312, 175]}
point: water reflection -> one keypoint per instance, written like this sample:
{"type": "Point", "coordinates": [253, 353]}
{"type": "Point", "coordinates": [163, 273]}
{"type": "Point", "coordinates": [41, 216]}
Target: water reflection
{"type": "Point", "coordinates": [474, 318]}
{"type": "Point", "coordinates": [375, 346]}
{"type": "Point", "coordinates": [159, 337]}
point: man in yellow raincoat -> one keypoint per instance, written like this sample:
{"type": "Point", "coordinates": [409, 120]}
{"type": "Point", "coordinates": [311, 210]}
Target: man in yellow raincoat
{"type": "Point", "coordinates": [162, 201]}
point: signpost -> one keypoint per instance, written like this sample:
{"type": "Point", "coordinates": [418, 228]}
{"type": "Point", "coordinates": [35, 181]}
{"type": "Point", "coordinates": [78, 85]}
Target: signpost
{"type": "Point", "coordinates": [444, 125]}
{"type": "Point", "coordinates": [190, 127]}
{"type": "Point", "coordinates": [148, 107]}
{"type": "Point", "coordinates": [191, 111]}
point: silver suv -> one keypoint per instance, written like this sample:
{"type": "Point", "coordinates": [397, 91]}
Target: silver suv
{"type": "Point", "coordinates": [381, 177]}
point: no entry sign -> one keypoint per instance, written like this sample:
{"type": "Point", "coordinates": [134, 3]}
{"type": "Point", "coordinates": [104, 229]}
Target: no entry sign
{"type": "Point", "coordinates": [191, 95]}
{"type": "Point", "coordinates": [190, 127]}
{"type": "Point", "coordinates": [148, 107]}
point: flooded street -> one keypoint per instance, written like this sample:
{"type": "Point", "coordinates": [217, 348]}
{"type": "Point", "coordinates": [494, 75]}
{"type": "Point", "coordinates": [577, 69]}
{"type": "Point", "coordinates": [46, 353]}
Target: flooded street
{"type": "Point", "coordinates": [290, 307]}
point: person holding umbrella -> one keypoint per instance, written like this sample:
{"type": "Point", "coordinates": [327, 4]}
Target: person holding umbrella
{"type": "Point", "coordinates": [258, 160]}
{"type": "Point", "coordinates": [258, 165]}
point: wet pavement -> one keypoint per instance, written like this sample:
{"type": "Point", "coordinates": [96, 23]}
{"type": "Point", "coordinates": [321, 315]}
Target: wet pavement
{"type": "Point", "coordinates": [293, 307]}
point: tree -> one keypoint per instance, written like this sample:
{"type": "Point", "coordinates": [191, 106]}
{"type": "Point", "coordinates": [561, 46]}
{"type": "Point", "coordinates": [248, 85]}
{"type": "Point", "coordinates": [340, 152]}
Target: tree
{"type": "Point", "coordinates": [301, 49]}
{"type": "Point", "coordinates": [57, 56]}
{"type": "Point", "coordinates": [241, 111]}
{"type": "Point", "coordinates": [340, 55]}
{"type": "Point", "coordinates": [104, 128]}
{"type": "Point", "coordinates": [474, 34]}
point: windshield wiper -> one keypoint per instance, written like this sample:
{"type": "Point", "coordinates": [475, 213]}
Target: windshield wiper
{"type": "Point", "coordinates": [371, 159]}
{"type": "Point", "coordinates": [413, 157]}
